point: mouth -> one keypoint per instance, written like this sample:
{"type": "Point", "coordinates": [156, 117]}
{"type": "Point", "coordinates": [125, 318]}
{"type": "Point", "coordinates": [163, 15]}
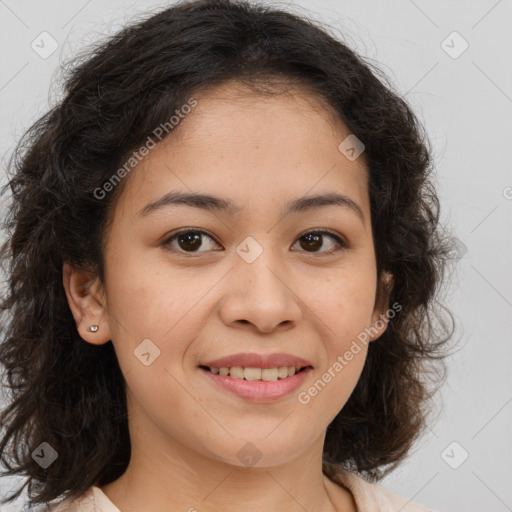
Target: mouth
{"type": "Point", "coordinates": [257, 385]}
{"type": "Point", "coordinates": [256, 374]}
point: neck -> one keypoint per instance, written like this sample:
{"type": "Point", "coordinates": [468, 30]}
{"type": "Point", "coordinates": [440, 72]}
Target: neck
{"type": "Point", "coordinates": [164, 475]}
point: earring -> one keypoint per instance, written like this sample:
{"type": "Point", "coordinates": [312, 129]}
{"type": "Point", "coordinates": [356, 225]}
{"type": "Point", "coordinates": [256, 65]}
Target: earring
{"type": "Point", "coordinates": [92, 328]}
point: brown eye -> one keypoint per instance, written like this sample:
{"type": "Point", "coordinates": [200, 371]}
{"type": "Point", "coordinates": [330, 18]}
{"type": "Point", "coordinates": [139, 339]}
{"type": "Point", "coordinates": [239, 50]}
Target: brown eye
{"type": "Point", "coordinates": [198, 241]}
{"type": "Point", "coordinates": [314, 240]}
{"type": "Point", "coordinates": [190, 241]}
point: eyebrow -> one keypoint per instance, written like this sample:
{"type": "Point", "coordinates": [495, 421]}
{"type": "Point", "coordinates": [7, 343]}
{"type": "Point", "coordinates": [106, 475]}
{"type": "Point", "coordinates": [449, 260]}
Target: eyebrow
{"type": "Point", "coordinates": [219, 204]}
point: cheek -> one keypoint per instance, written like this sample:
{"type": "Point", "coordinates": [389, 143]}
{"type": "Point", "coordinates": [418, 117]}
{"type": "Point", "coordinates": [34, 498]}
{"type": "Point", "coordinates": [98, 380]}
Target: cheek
{"type": "Point", "coordinates": [344, 302]}
{"type": "Point", "coordinates": [328, 393]}
{"type": "Point", "coordinates": [147, 301]}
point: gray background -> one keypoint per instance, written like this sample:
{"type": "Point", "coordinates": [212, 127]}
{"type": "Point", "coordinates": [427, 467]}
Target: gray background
{"type": "Point", "coordinates": [465, 102]}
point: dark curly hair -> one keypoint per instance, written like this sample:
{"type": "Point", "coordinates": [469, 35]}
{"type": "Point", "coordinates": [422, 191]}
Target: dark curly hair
{"type": "Point", "coordinates": [71, 394]}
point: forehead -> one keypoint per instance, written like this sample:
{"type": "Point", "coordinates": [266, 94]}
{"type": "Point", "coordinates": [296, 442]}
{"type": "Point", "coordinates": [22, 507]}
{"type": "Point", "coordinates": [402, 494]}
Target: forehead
{"type": "Point", "coordinates": [253, 148]}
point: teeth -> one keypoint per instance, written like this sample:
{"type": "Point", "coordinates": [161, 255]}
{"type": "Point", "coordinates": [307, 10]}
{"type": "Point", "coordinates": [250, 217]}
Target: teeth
{"type": "Point", "coordinates": [269, 374]}
{"type": "Point", "coordinates": [237, 372]}
{"type": "Point", "coordinates": [282, 372]}
{"type": "Point", "coordinates": [265, 374]}
{"type": "Point", "coordinates": [252, 373]}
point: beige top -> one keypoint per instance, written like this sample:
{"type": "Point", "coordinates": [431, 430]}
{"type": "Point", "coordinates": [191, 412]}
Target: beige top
{"type": "Point", "coordinates": [368, 497]}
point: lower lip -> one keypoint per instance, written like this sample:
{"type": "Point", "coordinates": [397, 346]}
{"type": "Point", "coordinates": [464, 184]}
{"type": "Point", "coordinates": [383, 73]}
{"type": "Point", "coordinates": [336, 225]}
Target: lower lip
{"type": "Point", "coordinates": [258, 390]}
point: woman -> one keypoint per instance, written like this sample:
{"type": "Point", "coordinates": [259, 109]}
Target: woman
{"type": "Point", "coordinates": [223, 257]}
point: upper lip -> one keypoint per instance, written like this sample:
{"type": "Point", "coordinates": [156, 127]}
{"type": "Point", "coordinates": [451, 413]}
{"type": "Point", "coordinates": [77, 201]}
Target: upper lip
{"type": "Point", "coordinates": [252, 360]}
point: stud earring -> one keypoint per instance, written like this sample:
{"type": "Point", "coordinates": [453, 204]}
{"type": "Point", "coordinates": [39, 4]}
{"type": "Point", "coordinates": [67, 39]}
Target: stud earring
{"type": "Point", "coordinates": [92, 328]}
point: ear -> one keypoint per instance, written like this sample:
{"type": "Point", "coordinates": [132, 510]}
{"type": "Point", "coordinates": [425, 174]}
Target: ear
{"type": "Point", "coordinates": [379, 320]}
{"type": "Point", "coordinates": [87, 302]}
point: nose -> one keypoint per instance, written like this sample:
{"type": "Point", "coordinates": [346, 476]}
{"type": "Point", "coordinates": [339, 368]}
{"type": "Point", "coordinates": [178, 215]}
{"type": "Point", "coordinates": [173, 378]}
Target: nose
{"type": "Point", "coordinates": [260, 296]}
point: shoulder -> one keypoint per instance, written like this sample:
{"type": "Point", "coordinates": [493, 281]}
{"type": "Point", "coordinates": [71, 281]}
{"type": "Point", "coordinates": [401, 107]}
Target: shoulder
{"type": "Point", "coordinates": [84, 503]}
{"type": "Point", "coordinates": [92, 500]}
{"type": "Point", "coordinates": [368, 496]}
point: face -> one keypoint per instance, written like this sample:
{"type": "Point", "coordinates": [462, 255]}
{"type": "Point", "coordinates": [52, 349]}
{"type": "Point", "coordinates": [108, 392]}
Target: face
{"type": "Point", "coordinates": [188, 284]}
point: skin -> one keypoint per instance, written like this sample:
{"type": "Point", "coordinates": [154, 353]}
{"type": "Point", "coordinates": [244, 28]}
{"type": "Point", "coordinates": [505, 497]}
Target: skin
{"type": "Point", "coordinates": [260, 152]}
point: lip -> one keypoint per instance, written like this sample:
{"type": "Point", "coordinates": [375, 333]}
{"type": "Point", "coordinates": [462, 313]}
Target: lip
{"type": "Point", "coordinates": [253, 360]}
{"type": "Point", "coordinates": [257, 390]}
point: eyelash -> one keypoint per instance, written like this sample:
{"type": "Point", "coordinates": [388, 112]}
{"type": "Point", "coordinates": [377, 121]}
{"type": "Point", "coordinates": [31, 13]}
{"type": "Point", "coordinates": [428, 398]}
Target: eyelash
{"type": "Point", "coordinates": [343, 245]}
